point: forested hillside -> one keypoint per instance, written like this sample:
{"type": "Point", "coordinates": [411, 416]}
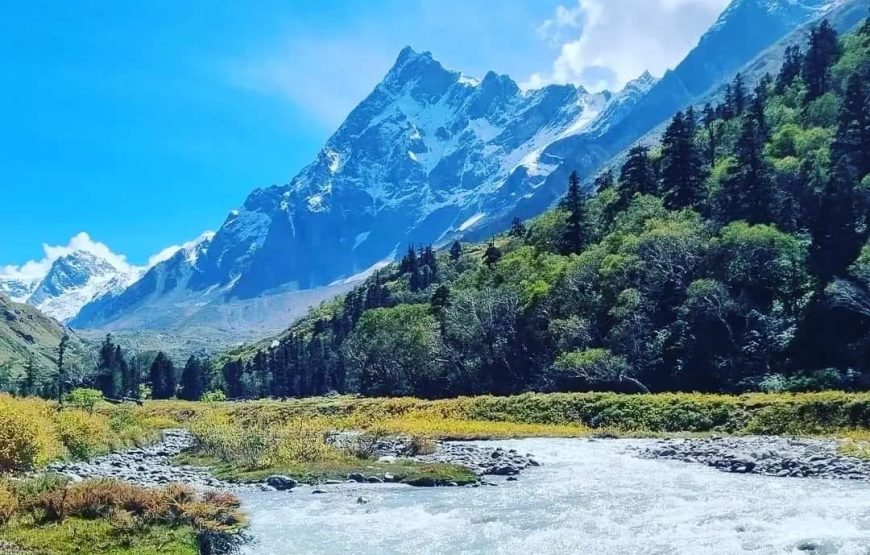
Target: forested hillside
{"type": "Point", "coordinates": [732, 257]}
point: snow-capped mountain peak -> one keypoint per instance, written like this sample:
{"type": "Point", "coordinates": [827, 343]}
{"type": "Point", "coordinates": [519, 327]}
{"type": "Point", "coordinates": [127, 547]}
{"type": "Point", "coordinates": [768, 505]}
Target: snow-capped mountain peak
{"type": "Point", "coordinates": [77, 278]}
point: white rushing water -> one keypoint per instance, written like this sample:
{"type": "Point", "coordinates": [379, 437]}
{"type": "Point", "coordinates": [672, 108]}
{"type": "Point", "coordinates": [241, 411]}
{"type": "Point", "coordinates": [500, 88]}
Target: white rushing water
{"type": "Point", "coordinates": [589, 497]}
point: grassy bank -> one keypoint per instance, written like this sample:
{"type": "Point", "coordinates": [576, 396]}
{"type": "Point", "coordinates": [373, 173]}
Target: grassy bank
{"type": "Point", "coordinates": [554, 414]}
{"type": "Point", "coordinates": [250, 440]}
{"type": "Point", "coordinates": [50, 516]}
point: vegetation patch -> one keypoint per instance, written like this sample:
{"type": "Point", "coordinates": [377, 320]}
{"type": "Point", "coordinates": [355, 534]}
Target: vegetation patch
{"type": "Point", "coordinates": [34, 431]}
{"type": "Point", "coordinates": [50, 516]}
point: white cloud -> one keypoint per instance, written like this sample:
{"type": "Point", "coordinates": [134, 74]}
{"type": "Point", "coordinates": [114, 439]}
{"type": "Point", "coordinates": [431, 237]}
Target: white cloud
{"type": "Point", "coordinates": [606, 43]}
{"type": "Point", "coordinates": [36, 269]}
{"type": "Point", "coordinates": [170, 251]}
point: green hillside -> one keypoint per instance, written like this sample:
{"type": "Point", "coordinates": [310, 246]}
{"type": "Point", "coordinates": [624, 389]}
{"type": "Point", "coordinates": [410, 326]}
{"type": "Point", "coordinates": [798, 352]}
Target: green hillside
{"type": "Point", "coordinates": [28, 336]}
{"type": "Point", "coordinates": [731, 257]}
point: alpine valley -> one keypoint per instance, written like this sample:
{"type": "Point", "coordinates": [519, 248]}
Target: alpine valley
{"type": "Point", "coordinates": [430, 155]}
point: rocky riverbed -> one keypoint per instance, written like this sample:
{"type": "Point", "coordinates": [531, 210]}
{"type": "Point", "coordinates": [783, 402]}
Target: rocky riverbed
{"type": "Point", "coordinates": [152, 465]}
{"type": "Point", "coordinates": [148, 466]}
{"type": "Point", "coordinates": [483, 461]}
{"type": "Point", "coordinates": [768, 455]}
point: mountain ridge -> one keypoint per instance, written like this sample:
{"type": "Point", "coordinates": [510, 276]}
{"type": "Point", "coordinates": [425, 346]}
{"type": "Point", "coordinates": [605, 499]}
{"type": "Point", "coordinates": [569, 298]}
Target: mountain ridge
{"type": "Point", "coordinates": [430, 155]}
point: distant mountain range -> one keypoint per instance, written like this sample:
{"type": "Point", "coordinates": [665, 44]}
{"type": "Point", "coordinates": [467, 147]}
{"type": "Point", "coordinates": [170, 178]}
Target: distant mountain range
{"type": "Point", "coordinates": [430, 155]}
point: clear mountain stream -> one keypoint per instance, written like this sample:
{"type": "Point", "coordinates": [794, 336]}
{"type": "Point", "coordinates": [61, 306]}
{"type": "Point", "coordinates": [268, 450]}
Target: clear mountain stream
{"type": "Point", "coordinates": [588, 497]}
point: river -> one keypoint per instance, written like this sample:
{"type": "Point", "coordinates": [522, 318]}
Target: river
{"type": "Point", "coordinates": [588, 497]}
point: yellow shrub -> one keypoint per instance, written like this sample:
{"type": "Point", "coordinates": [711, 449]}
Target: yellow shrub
{"type": "Point", "coordinates": [258, 444]}
{"type": "Point", "coordinates": [8, 504]}
{"type": "Point", "coordinates": [84, 434]}
{"type": "Point", "coordinates": [27, 434]}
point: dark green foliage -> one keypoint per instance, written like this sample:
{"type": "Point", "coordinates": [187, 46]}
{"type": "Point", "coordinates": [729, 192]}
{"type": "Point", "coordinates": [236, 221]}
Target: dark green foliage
{"type": "Point", "coordinates": [420, 268]}
{"type": "Point", "coordinates": [491, 255]}
{"type": "Point", "coordinates": [194, 379]}
{"type": "Point", "coordinates": [682, 172]}
{"type": "Point", "coordinates": [747, 192]}
{"type": "Point", "coordinates": [822, 52]}
{"type": "Point", "coordinates": [112, 377]}
{"type": "Point", "coordinates": [440, 300]}
{"type": "Point", "coordinates": [30, 382]}
{"type": "Point", "coordinates": [790, 69]}
{"type": "Point", "coordinates": [578, 232]}
{"type": "Point", "coordinates": [162, 377]}
{"type": "Point", "coordinates": [637, 176]}
{"type": "Point", "coordinates": [61, 380]}
{"type": "Point", "coordinates": [604, 181]}
{"type": "Point", "coordinates": [455, 250]}
{"type": "Point", "coordinates": [841, 226]}
{"type": "Point", "coordinates": [518, 228]}
{"type": "Point", "coordinates": [737, 96]}
{"type": "Point", "coordinates": [734, 258]}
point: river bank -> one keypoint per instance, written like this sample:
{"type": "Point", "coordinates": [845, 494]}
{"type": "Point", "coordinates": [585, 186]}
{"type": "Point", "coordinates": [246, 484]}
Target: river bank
{"type": "Point", "coordinates": [776, 456]}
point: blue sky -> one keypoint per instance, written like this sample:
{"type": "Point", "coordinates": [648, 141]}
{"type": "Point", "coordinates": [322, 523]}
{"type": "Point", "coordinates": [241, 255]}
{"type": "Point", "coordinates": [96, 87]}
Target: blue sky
{"type": "Point", "coordinates": [144, 123]}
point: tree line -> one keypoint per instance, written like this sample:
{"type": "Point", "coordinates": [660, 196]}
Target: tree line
{"type": "Point", "coordinates": [119, 375]}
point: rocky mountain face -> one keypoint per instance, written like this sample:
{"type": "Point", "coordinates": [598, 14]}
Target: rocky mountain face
{"type": "Point", "coordinates": [430, 155]}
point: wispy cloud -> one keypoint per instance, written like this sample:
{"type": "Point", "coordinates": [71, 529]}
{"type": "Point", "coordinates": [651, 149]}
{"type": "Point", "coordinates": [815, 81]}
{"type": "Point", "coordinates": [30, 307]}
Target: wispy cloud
{"type": "Point", "coordinates": [606, 43]}
{"type": "Point", "coordinates": [326, 78]}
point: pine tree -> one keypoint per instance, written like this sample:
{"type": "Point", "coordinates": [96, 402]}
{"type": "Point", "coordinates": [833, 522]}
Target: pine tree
{"type": "Point", "coordinates": [681, 164]}
{"type": "Point", "coordinates": [577, 230]}
{"type": "Point", "coordinates": [757, 104]}
{"type": "Point", "coordinates": [604, 180]}
{"type": "Point", "coordinates": [191, 387]}
{"type": "Point", "coordinates": [409, 262]}
{"type": "Point", "coordinates": [135, 372]}
{"type": "Point", "coordinates": [429, 263]}
{"type": "Point", "coordinates": [748, 193]}
{"type": "Point", "coordinates": [110, 370]}
{"type": "Point", "coordinates": [440, 300]}
{"type": "Point", "coordinates": [124, 377]}
{"type": "Point", "coordinates": [491, 255]}
{"type": "Point", "coordinates": [637, 177]}
{"type": "Point", "coordinates": [60, 384]}
{"type": "Point", "coordinates": [791, 68]}
{"type": "Point", "coordinates": [162, 377]}
{"type": "Point", "coordinates": [725, 110]}
{"type": "Point", "coordinates": [841, 225]}
{"type": "Point", "coordinates": [377, 295]}
{"type": "Point", "coordinates": [738, 96]}
{"type": "Point", "coordinates": [455, 251]}
{"type": "Point", "coordinates": [823, 51]}
{"type": "Point", "coordinates": [233, 372]}
{"type": "Point", "coordinates": [30, 381]}
{"type": "Point", "coordinates": [711, 128]}
{"type": "Point", "coordinates": [851, 145]}
{"type": "Point", "coordinates": [518, 228]}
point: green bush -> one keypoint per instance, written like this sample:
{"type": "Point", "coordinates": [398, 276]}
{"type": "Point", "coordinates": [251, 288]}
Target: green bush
{"type": "Point", "coordinates": [84, 398]}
